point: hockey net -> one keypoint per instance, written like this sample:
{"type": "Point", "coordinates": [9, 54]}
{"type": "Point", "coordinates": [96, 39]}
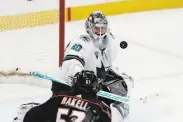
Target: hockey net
{"type": "Point", "coordinates": [32, 41]}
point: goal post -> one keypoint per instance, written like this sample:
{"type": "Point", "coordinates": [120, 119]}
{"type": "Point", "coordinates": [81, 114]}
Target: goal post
{"type": "Point", "coordinates": [61, 30]}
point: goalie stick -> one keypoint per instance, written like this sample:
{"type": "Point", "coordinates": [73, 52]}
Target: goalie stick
{"type": "Point", "coordinates": [100, 93]}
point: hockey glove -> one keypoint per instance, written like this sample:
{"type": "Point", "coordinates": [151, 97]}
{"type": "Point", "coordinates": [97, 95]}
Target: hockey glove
{"type": "Point", "coordinates": [115, 82]}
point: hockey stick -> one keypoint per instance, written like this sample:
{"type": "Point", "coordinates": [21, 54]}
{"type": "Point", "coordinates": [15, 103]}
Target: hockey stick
{"type": "Point", "coordinates": [100, 93]}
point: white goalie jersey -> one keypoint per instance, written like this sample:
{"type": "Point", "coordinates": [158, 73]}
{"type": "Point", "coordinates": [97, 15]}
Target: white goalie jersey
{"type": "Point", "coordinates": [83, 54]}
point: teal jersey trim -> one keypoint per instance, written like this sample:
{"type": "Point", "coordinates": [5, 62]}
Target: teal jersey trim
{"type": "Point", "coordinates": [70, 57]}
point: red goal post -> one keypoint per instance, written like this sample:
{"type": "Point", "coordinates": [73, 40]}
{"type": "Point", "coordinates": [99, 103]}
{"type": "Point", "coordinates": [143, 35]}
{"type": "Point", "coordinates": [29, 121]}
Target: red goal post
{"type": "Point", "coordinates": [61, 30]}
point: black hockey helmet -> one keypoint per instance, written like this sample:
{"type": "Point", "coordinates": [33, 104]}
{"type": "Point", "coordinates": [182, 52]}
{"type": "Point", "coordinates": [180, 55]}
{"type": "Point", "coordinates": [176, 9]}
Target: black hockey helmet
{"type": "Point", "coordinates": [85, 83]}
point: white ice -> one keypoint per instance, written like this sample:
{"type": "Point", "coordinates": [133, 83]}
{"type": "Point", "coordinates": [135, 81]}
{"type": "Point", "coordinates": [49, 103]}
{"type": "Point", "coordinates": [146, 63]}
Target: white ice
{"type": "Point", "coordinates": [154, 58]}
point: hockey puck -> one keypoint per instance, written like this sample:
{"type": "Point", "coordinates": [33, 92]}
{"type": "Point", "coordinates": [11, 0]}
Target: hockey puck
{"type": "Point", "coordinates": [123, 44]}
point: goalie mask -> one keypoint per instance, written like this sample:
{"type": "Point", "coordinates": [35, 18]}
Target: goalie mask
{"type": "Point", "coordinates": [97, 27]}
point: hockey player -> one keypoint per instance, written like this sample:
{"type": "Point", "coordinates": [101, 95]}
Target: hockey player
{"type": "Point", "coordinates": [94, 51]}
{"type": "Point", "coordinates": [68, 108]}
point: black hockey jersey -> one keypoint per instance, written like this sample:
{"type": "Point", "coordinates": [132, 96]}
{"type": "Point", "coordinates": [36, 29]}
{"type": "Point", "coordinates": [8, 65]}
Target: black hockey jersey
{"type": "Point", "coordinates": [66, 108]}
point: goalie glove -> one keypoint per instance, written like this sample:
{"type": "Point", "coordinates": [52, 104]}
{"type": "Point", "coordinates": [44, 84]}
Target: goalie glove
{"type": "Point", "coordinates": [115, 83]}
{"type": "Point", "coordinates": [118, 84]}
